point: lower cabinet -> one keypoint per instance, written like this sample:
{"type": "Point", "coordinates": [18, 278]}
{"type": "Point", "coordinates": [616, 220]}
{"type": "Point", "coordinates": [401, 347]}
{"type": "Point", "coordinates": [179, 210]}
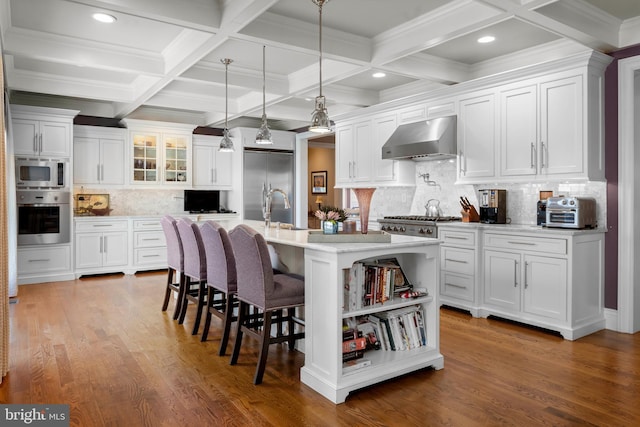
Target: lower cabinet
{"type": "Point", "coordinates": [459, 268]}
{"type": "Point", "coordinates": [149, 245]}
{"type": "Point", "coordinates": [554, 282]}
{"type": "Point", "coordinates": [101, 246]}
{"type": "Point", "coordinates": [46, 263]}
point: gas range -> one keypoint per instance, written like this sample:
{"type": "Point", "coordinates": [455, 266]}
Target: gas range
{"type": "Point", "coordinates": [414, 225]}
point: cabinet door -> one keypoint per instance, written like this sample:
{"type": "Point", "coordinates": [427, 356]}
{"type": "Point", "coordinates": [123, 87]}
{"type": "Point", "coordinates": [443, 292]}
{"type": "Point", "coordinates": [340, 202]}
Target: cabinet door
{"type": "Point", "coordinates": [561, 126]}
{"type": "Point", "coordinates": [476, 137]}
{"type": "Point", "coordinates": [25, 137]}
{"type": "Point", "coordinates": [344, 154]}
{"type": "Point", "coordinates": [112, 161]}
{"type": "Point", "coordinates": [203, 165]}
{"type": "Point", "coordinates": [86, 160]}
{"type": "Point", "coordinates": [88, 250]}
{"type": "Point", "coordinates": [518, 133]}
{"type": "Point", "coordinates": [383, 127]}
{"type": "Point", "coordinates": [145, 158]}
{"type": "Point", "coordinates": [545, 287]}
{"type": "Point", "coordinates": [114, 249]}
{"type": "Point", "coordinates": [502, 280]}
{"type": "Point", "coordinates": [363, 149]}
{"type": "Point", "coordinates": [222, 172]}
{"type": "Point", "coordinates": [56, 139]}
{"type": "Point", "coordinates": [176, 155]}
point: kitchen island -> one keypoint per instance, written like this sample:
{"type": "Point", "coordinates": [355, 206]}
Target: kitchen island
{"type": "Point", "coordinates": [326, 269]}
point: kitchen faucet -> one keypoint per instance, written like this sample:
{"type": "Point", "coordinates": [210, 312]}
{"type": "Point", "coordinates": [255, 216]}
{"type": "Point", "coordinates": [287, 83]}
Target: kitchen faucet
{"type": "Point", "coordinates": [266, 211]}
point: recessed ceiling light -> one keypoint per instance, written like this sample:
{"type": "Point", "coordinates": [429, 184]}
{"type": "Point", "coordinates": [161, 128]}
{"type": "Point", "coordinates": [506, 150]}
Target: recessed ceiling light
{"type": "Point", "coordinates": [486, 39]}
{"type": "Point", "coordinates": [379, 75]}
{"type": "Point", "coordinates": [103, 17]}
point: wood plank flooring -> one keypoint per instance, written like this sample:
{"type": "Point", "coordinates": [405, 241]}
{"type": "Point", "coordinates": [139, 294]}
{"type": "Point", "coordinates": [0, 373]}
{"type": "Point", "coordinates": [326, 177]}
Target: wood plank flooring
{"type": "Point", "coordinates": [102, 345]}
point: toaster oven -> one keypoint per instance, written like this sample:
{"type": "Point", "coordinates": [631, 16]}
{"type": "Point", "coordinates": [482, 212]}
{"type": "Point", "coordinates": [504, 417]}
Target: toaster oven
{"type": "Point", "coordinates": [571, 212]}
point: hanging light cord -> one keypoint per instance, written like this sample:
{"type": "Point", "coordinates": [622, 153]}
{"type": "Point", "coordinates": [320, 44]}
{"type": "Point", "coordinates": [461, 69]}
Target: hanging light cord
{"type": "Point", "coordinates": [320, 3]}
{"type": "Point", "coordinates": [264, 85]}
{"type": "Point", "coordinates": [226, 91]}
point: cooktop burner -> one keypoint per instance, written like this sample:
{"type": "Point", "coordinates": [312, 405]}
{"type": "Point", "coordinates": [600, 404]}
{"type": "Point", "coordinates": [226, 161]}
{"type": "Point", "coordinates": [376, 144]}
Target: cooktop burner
{"type": "Point", "coordinates": [423, 218]}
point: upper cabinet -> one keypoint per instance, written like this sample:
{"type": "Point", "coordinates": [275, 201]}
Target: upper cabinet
{"type": "Point", "coordinates": [544, 130]}
{"type": "Point", "coordinates": [359, 160]}
{"type": "Point", "coordinates": [99, 155]}
{"type": "Point", "coordinates": [42, 132]}
{"type": "Point", "coordinates": [211, 169]}
{"type": "Point", "coordinates": [160, 153]}
{"type": "Point", "coordinates": [477, 137]}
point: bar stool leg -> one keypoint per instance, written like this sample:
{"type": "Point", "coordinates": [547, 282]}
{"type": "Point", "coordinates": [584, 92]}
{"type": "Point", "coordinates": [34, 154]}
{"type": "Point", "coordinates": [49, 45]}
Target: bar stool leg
{"type": "Point", "coordinates": [264, 350]}
{"type": "Point", "coordinates": [226, 324]}
{"type": "Point", "coordinates": [242, 314]}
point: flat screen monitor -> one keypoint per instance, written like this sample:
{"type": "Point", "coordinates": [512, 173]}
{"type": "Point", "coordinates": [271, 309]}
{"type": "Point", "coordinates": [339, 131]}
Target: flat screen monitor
{"type": "Point", "coordinates": [201, 201]}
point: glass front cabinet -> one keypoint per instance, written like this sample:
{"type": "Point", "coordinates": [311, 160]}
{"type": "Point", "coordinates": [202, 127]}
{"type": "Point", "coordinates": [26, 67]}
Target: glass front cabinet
{"type": "Point", "coordinates": [160, 154]}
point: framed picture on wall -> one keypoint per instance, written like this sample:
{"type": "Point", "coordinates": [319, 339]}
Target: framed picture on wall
{"type": "Point", "coordinates": [319, 182]}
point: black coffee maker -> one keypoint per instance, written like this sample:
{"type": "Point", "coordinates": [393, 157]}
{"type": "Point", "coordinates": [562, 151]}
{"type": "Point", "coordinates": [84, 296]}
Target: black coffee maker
{"type": "Point", "coordinates": [493, 206]}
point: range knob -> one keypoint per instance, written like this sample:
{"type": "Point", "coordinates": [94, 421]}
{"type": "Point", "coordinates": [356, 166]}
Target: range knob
{"type": "Point", "coordinates": [395, 228]}
{"type": "Point", "coordinates": [402, 229]}
{"type": "Point", "coordinates": [383, 228]}
{"type": "Point", "coordinates": [421, 231]}
{"type": "Point", "coordinates": [429, 231]}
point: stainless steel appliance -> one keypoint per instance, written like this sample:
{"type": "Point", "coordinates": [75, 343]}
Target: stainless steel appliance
{"type": "Point", "coordinates": [414, 225]}
{"type": "Point", "coordinates": [571, 212]}
{"type": "Point", "coordinates": [264, 170]}
{"type": "Point", "coordinates": [493, 206]}
{"type": "Point", "coordinates": [43, 217]}
{"type": "Point", "coordinates": [40, 173]}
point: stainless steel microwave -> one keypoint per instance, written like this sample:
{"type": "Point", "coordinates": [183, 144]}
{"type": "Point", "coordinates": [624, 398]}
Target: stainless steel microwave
{"type": "Point", "coordinates": [40, 173]}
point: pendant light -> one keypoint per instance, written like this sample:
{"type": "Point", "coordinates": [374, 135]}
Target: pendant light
{"type": "Point", "coordinates": [320, 118]}
{"type": "Point", "coordinates": [264, 134]}
{"type": "Point", "coordinates": [226, 145]}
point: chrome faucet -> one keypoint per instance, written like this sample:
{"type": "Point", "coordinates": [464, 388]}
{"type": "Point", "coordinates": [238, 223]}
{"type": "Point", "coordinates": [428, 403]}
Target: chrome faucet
{"type": "Point", "coordinates": [266, 209]}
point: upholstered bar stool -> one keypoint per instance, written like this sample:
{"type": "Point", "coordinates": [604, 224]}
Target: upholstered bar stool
{"type": "Point", "coordinates": [175, 263]}
{"type": "Point", "coordinates": [269, 293]}
{"type": "Point", "coordinates": [221, 277]}
{"type": "Point", "coordinates": [195, 270]}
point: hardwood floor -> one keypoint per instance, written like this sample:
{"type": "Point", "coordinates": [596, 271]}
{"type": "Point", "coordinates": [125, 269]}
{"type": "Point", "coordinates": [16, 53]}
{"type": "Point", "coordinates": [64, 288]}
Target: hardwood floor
{"type": "Point", "coordinates": [103, 346]}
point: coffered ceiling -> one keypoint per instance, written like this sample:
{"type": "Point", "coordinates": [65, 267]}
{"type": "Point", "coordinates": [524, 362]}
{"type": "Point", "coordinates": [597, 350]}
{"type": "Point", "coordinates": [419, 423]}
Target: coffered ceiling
{"type": "Point", "coordinates": [160, 60]}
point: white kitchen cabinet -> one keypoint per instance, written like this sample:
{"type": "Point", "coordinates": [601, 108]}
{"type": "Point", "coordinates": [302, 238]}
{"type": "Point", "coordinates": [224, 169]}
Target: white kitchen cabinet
{"type": "Point", "coordinates": [542, 132]}
{"type": "Point", "coordinates": [160, 153]}
{"type": "Point", "coordinates": [477, 134]}
{"type": "Point", "coordinates": [211, 168]}
{"type": "Point", "coordinates": [98, 155]}
{"type": "Point", "coordinates": [354, 154]}
{"type": "Point", "coordinates": [359, 160]}
{"type": "Point", "coordinates": [149, 245]}
{"type": "Point", "coordinates": [101, 246]}
{"type": "Point", "coordinates": [459, 268]}
{"type": "Point", "coordinates": [42, 132]}
{"type": "Point", "coordinates": [550, 282]}
{"type": "Point", "coordinates": [44, 263]}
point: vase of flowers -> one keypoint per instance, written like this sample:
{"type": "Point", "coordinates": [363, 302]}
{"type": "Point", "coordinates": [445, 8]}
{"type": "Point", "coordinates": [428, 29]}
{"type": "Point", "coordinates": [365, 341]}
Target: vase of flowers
{"type": "Point", "coordinates": [330, 217]}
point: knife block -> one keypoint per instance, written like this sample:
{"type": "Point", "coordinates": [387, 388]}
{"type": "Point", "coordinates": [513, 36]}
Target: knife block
{"type": "Point", "coordinates": [470, 215]}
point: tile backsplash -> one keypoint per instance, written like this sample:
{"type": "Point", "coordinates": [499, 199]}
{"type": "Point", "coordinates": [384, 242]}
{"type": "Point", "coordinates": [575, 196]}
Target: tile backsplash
{"type": "Point", "coordinates": [521, 198]}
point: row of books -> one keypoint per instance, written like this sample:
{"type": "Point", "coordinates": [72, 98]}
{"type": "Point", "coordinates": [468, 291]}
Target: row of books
{"type": "Point", "coordinates": [401, 329]}
{"type": "Point", "coordinates": [393, 330]}
{"type": "Point", "coordinates": [370, 283]}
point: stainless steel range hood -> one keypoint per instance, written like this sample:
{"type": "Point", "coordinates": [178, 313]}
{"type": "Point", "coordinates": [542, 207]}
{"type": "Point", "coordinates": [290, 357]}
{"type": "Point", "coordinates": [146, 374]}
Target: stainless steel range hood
{"type": "Point", "coordinates": [425, 140]}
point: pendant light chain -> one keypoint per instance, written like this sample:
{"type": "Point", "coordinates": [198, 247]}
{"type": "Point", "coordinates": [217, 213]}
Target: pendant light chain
{"type": "Point", "coordinates": [320, 118]}
{"type": "Point", "coordinates": [226, 144]}
{"type": "Point", "coordinates": [263, 136]}
{"type": "Point", "coordinates": [264, 84]}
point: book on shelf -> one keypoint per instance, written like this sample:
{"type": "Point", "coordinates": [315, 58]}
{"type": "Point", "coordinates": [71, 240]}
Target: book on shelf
{"type": "Point", "coordinates": [354, 344]}
{"type": "Point", "coordinates": [357, 354]}
{"type": "Point", "coordinates": [354, 365]}
{"type": "Point", "coordinates": [373, 282]}
{"type": "Point", "coordinates": [405, 327]}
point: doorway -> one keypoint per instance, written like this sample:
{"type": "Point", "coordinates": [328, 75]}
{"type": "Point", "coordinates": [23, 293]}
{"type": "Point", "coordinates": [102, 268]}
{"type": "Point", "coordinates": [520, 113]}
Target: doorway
{"type": "Point", "coordinates": [321, 163]}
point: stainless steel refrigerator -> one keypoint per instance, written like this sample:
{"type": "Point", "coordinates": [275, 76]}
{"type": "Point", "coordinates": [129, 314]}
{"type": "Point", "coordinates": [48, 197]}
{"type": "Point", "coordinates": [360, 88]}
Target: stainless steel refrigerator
{"type": "Point", "coordinates": [263, 170]}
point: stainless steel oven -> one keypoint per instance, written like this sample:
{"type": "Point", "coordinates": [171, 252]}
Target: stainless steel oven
{"type": "Point", "coordinates": [43, 217]}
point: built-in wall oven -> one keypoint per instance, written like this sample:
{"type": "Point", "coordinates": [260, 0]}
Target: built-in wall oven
{"type": "Point", "coordinates": [43, 217]}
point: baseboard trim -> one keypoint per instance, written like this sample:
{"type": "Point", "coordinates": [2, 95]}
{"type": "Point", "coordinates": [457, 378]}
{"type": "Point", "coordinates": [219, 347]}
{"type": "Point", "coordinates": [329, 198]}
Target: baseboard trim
{"type": "Point", "coordinates": [611, 319]}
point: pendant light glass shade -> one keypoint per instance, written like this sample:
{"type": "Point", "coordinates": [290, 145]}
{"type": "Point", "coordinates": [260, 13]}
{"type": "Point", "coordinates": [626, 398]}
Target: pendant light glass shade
{"type": "Point", "coordinates": [226, 145]}
{"type": "Point", "coordinates": [264, 134]}
{"type": "Point", "coordinates": [320, 122]}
